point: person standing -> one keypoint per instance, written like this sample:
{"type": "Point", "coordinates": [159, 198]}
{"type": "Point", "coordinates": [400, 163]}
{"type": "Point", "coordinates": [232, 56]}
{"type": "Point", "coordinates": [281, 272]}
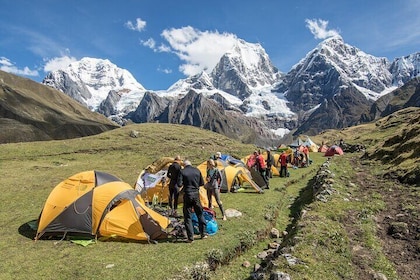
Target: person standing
{"type": "Point", "coordinates": [214, 179]}
{"type": "Point", "coordinates": [174, 185]}
{"type": "Point", "coordinates": [283, 164]}
{"type": "Point", "coordinates": [251, 162]}
{"type": "Point", "coordinates": [191, 181]}
{"type": "Point", "coordinates": [270, 162]}
{"type": "Point", "coordinates": [262, 168]}
{"type": "Point", "coordinates": [306, 153]}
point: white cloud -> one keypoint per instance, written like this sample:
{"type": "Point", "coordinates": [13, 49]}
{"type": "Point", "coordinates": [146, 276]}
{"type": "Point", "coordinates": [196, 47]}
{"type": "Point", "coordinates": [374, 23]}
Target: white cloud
{"type": "Point", "coordinates": [164, 70]}
{"type": "Point", "coordinates": [318, 28]}
{"type": "Point", "coordinates": [57, 63]}
{"type": "Point", "coordinates": [139, 25]}
{"type": "Point", "coordinates": [164, 48]}
{"type": "Point", "coordinates": [200, 50]}
{"type": "Point", "coordinates": [7, 66]}
{"type": "Point", "coordinates": [149, 43]}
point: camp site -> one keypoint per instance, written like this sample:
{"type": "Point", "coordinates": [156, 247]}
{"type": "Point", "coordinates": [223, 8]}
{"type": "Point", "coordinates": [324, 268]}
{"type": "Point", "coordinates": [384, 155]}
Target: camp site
{"type": "Point", "coordinates": [48, 232]}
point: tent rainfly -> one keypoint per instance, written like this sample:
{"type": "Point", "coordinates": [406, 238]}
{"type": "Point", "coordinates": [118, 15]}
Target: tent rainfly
{"type": "Point", "coordinates": [98, 204]}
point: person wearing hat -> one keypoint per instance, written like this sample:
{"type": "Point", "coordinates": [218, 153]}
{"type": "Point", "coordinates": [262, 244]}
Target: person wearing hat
{"type": "Point", "coordinates": [216, 157]}
{"type": "Point", "coordinates": [191, 181]}
{"type": "Point", "coordinates": [174, 185]}
{"type": "Point", "coordinates": [214, 179]}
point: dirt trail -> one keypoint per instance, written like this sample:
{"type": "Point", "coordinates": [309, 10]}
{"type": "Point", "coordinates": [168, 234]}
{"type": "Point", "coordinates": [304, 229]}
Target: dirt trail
{"type": "Point", "coordinates": [398, 225]}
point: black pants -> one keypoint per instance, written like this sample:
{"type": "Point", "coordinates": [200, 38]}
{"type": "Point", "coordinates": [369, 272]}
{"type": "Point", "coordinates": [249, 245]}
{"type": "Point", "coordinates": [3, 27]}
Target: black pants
{"type": "Point", "coordinates": [173, 196]}
{"type": "Point", "coordinates": [192, 202]}
{"type": "Point", "coordinates": [283, 171]}
{"type": "Point", "coordinates": [263, 173]}
{"type": "Point", "coordinates": [268, 172]}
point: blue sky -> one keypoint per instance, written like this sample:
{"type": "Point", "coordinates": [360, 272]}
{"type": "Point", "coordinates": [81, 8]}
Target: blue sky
{"type": "Point", "coordinates": [160, 42]}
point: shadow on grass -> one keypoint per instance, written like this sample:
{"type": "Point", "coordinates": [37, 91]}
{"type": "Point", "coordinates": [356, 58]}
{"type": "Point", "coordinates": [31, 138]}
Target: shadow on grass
{"type": "Point", "coordinates": [28, 229]}
{"type": "Point", "coordinates": [305, 197]}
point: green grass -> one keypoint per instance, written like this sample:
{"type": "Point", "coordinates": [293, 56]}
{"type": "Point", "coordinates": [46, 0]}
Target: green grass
{"type": "Point", "coordinates": [318, 232]}
{"type": "Point", "coordinates": [29, 172]}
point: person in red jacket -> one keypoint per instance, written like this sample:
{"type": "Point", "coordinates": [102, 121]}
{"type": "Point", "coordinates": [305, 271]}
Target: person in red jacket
{"type": "Point", "coordinates": [306, 153]}
{"type": "Point", "coordinates": [283, 159]}
{"type": "Point", "coordinates": [262, 168]}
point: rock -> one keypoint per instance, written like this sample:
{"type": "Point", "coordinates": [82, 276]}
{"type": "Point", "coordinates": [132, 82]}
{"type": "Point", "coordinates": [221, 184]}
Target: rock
{"type": "Point", "coordinates": [274, 233]}
{"type": "Point", "coordinates": [379, 276]}
{"type": "Point", "coordinates": [290, 259]}
{"type": "Point", "coordinates": [134, 134]}
{"type": "Point", "coordinates": [230, 213]}
{"type": "Point", "coordinates": [278, 275]}
{"type": "Point", "coordinates": [273, 245]}
{"type": "Point", "coordinates": [246, 264]}
{"type": "Point", "coordinates": [262, 255]}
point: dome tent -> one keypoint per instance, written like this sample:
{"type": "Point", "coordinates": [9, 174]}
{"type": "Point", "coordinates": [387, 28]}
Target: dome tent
{"type": "Point", "coordinates": [98, 204]}
{"type": "Point", "coordinates": [232, 171]}
{"type": "Point", "coordinates": [334, 150]}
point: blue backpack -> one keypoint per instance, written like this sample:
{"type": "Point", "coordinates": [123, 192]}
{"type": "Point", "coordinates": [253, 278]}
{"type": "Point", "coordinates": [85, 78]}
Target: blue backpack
{"type": "Point", "coordinates": [211, 223]}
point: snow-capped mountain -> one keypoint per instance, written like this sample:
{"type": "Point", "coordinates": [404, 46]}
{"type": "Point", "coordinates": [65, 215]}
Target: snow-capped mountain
{"type": "Point", "coordinates": [330, 88]}
{"type": "Point", "coordinates": [331, 67]}
{"type": "Point", "coordinates": [92, 81]}
{"type": "Point", "coordinates": [334, 84]}
{"type": "Point", "coordinates": [405, 68]}
{"type": "Point", "coordinates": [244, 70]}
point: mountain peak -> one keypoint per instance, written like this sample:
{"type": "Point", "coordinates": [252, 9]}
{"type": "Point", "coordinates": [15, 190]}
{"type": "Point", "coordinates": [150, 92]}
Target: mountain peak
{"type": "Point", "coordinates": [93, 79]}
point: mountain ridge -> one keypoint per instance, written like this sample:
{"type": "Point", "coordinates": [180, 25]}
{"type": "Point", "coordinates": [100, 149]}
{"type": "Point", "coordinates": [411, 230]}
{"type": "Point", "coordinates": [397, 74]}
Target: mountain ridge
{"type": "Point", "coordinates": [333, 75]}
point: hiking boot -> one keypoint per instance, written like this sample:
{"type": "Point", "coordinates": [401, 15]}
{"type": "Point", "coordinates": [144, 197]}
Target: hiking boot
{"type": "Point", "coordinates": [204, 236]}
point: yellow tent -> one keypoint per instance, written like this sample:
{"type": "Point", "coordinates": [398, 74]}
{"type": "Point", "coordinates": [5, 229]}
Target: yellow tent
{"type": "Point", "coordinates": [233, 172]}
{"type": "Point", "coordinates": [98, 204]}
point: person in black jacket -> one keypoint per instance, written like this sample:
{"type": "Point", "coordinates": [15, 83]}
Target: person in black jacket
{"type": "Point", "coordinates": [191, 181]}
{"type": "Point", "coordinates": [270, 163]}
{"type": "Point", "coordinates": [174, 185]}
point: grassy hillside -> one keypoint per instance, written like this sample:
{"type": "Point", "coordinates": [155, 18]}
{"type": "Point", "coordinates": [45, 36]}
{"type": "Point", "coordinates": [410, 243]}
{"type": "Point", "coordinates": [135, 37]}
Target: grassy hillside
{"type": "Point", "coordinates": [341, 238]}
{"type": "Point", "coordinates": [393, 141]}
{"type": "Point", "coordinates": [30, 111]}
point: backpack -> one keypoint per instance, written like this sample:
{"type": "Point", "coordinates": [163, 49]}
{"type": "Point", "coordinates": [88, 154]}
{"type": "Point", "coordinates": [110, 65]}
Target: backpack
{"type": "Point", "coordinates": [211, 224]}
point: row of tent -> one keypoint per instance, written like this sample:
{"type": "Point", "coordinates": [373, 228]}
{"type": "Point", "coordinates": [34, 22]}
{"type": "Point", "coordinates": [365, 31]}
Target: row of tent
{"type": "Point", "coordinates": [98, 204]}
{"type": "Point", "coordinates": [313, 147]}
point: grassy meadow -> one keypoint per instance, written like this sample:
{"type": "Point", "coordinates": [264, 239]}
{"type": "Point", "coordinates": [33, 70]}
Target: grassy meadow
{"type": "Point", "coordinates": [320, 239]}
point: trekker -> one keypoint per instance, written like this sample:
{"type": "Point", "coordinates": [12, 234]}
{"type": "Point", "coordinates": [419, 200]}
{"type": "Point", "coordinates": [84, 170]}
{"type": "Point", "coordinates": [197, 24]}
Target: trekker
{"type": "Point", "coordinates": [296, 158]}
{"type": "Point", "coordinates": [214, 178]}
{"type": "Point", "coordinates": [283, 164]}
{"type": "Point", "coordinates": [306, 153]}
{"type": "Point", "coordinates": [191, 181]}
{"type": "Point", "coordinates": [269, 161]}
{"type": "Point", "coordinates": [216, 156]}
{"type": "Point", "coordinates": [174, 185]}
{"type": "Point", "coordinates": [251, 162]}
{"type": "Point", "coordinates": [262, 167]}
